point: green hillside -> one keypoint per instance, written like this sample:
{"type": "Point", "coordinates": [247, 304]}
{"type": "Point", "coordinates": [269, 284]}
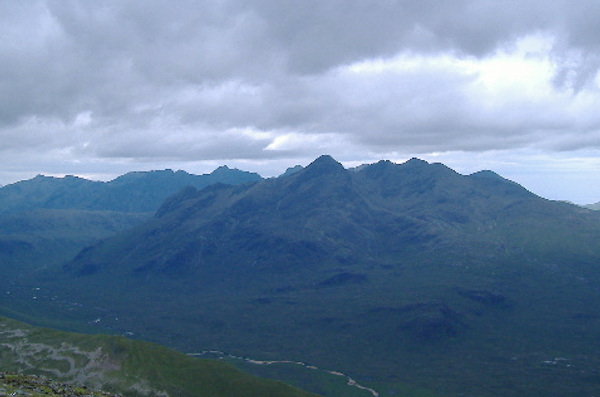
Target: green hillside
{"type": "Point", "coordinates": [124, 366]}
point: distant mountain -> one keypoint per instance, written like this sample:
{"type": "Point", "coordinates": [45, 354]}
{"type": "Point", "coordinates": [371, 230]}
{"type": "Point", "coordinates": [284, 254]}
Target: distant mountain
{"type": "Point", "coordinates": [118, 365]}
{"type": "Point", "coordinates": [45, 221]}
{"type": "Point", "coordinates": [593, 206]}
{"type": "Point", "coordinates": [132, 192]}
{"type": "Point", "coordinates": [410, 276]}
{"type": "Point", "coordinates": [292, 170]}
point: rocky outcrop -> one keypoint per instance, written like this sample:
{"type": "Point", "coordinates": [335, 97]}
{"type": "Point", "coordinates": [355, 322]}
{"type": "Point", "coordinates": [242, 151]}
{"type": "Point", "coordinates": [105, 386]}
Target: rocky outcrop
{"type": "Point", "coordinates": [34, 386]}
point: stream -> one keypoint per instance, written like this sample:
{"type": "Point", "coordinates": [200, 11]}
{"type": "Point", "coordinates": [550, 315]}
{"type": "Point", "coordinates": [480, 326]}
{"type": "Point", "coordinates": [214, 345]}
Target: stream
{"type": "Point", "coordinates": [350, 381]}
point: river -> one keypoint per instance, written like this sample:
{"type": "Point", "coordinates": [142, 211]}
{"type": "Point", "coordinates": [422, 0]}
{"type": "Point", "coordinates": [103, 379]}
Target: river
{"type": "Point", "coordinates": [350, 381]}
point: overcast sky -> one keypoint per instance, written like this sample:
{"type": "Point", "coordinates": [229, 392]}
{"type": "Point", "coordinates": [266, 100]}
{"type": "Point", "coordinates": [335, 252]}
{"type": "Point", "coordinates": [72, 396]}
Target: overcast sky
{"type": "Point", "coordinates": [99, 88]}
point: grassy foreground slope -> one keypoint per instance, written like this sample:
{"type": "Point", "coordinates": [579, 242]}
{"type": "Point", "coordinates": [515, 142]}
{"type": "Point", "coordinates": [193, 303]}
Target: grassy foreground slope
{"type": "Point", "coordinates": [124, 366]}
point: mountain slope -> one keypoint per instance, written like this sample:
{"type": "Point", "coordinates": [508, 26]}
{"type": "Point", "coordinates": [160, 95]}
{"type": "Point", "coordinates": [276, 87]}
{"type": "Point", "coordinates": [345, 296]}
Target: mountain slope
{"type": "Point", "coordinates": [394, 273]}
{"type": "Point", "coordinates": [123, 366]}
{"type": "Point", "coordinates": [42, 238]}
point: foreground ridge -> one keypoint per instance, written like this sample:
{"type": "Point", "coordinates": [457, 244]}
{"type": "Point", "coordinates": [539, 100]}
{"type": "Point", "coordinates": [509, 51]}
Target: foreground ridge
{"type": "Point", "coordinates": [35, 386]}
{"type": "Point", "coordinates": [117, 365]}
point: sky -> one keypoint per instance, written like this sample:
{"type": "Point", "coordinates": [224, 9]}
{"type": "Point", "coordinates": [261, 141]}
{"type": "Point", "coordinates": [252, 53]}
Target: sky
{"type": "Point", "coordinates": [100, 88]}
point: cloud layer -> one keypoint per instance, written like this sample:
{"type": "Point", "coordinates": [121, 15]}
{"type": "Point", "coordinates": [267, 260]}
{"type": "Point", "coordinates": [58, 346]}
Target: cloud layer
{"type": "Point", "coordinates": [97, 83]}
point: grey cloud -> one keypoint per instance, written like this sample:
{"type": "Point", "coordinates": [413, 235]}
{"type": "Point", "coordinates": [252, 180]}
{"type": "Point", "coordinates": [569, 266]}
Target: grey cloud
{"type": "Point", "coordinates": [212, 66]}
{"type": "Point", "coordinates": [317, 35]}
{"type": "Point", "coordinates": [164, 42]}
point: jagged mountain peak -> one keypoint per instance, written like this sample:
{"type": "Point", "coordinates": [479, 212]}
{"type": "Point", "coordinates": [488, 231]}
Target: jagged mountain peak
{"type": "Point", "coordinates": [414, 165]}
{"type": "Point", "coordinates": [486, 174]}
{"type": "Point", "coordinates": [233, 175]}
{"type": "Point", "coordinates": [136, 176]}
{"type": "Point", "coordinates": [292, 170]}
{"type": "Point", "coordinates": [136, 191]}
{"type": "Point", "coordinates": [414, 161]}
{"type": "Point", "coordinates": [500, 185]}
{"type": "Point", "coordinates": [221, 170]}
{"type": "Point", "coordinates": [57, 179]}
{"type": "Point", "coordinates": [424, 166]}
{"type": "Point", "coordinates": [376, 169]}
{"type": "Point", "coordinates": [323, 165]}
{"type": "Point", "coordinates": [325, 162]}
{"type": "Point", "coordinates": [416, 172]}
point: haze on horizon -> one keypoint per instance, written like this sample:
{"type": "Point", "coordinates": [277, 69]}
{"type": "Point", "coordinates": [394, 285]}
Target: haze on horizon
{"type": "Point", "coordinates": [101, 88]}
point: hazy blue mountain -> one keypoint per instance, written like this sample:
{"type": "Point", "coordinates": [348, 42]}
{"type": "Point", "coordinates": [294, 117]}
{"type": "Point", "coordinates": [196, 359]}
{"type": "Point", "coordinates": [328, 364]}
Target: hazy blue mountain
{"type": "Point", "coordinates": [45, 220]}
{"type": "Point", "coordinates": [45, 192]}
{"type": "Point", "coordinates": [292, 170]}
{"type": "Point", "coordinates": [132, 192]}
{"type": "Point", "coordinates": [410, 277]}
{"type": "Point", "coordinates": [593, 206]}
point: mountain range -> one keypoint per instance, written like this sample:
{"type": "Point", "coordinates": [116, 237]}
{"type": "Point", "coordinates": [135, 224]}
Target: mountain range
{"type": "Point", "coordinates": [327, 217]}
{"type": "Point", "coordinates": [46, 220]}
{"type": "Point", "coordinates": [411, 278]}
{"type": "Point", "coordinates": [134, 192]}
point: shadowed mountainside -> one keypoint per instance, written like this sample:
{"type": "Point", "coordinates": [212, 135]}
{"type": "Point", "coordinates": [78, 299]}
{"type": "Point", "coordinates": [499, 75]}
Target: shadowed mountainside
{"type": "Point", "coordinates": [43, 238]}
